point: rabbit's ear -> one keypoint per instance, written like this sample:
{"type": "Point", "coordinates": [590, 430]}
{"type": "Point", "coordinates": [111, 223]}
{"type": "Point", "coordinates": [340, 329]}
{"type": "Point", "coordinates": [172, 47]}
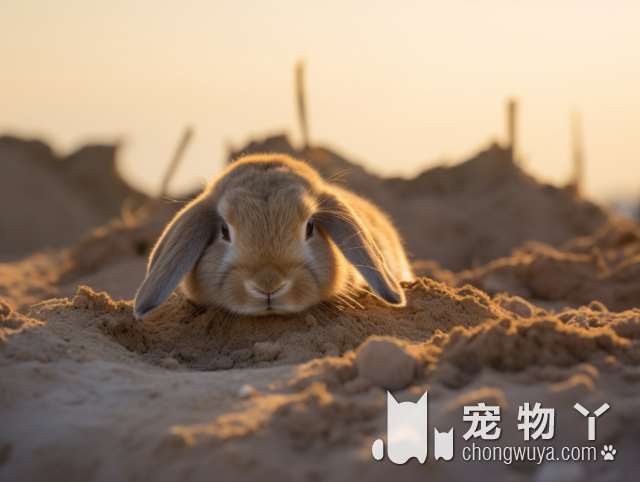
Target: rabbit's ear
{"type": "Point", "coordinates": [176, 253]}
{"type": "Point", "coordinates": [354, 240]}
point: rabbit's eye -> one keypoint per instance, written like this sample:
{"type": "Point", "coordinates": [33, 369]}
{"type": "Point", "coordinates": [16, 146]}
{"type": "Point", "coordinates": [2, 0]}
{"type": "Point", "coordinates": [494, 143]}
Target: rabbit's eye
{"type": "Point", "coordinates": [224, 230]}
{"type": "Point", "coordinates": [309, 231]}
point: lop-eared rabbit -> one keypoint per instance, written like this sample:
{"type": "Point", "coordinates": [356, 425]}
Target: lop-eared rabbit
{"type": "Point", "coordinates": [270, 236]}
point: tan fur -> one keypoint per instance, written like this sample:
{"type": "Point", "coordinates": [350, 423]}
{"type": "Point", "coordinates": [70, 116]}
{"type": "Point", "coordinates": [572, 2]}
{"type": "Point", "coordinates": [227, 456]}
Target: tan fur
{"type": "Point", "coordinates": [266, 201]}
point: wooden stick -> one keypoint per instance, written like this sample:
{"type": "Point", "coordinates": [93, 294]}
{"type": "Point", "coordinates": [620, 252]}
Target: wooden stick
{"type": "Point", "coordinates": [512, 128]}
{"type": "Point", "coordinates": [302, 103]}
{"type": "Point", "coordinates": [178, 154]}
{"type": "Point", "coordinates": [577, 152]}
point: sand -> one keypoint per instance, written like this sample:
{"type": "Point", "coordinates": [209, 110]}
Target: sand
{"type": "Point", "coordinates": [88, 393]}
{"type": "Point", "coordinates": [187, 395]}
{"type": "Point", "coordinates": [604, 266]}
{"type": "Point", "coordinates": [84, 190]}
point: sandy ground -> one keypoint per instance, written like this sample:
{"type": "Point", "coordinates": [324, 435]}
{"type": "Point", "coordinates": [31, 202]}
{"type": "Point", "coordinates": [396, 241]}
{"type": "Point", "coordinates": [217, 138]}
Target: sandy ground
{"type": "Point", "coordinates": [88, 393]}
{"type": "Point", "coordinates": [83, 190]}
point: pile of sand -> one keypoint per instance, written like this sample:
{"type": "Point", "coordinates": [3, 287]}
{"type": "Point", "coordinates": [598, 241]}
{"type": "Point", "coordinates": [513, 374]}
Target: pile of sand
{"type": "Point", "coordinates": [604, 266]}
{"type": "Point", "coordinates": [51, 201]}
{"type": "Point", "coordinates": [464, 215]}
{"type": "Point", "coordinates": [92, 394]}
{"type": "Point", "coordinates": [211, 339]}
{"type": "Point", "coordinates": [110, 258]}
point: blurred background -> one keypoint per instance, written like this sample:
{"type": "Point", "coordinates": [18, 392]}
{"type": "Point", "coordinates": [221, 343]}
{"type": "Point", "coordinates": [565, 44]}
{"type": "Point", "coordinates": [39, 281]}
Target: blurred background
{"type": "Point", "coordinates": [397, 86]}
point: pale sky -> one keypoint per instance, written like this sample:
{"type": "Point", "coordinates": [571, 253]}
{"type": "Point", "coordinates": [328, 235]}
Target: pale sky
{"type": "Point", "coordinates": [398, 85]}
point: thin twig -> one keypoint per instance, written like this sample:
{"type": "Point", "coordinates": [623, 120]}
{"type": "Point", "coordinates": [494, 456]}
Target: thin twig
{"type": "Point", "coordinates": [187, 135]}
{"type": "Point", "coordinates": [302, 103]}
{"type": "Point", "coordinates": [577, 152]}
{"type": "Point", "coordinates": [512, 128]}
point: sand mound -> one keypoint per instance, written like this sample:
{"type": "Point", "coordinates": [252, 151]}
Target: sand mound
{"type": "Point", "coordinates": [158, 398]}
{"type": "Point", "coordinates": [89, 393]}
{"type": "Point", "coordinates": [60, 198]}
{"type": "Point", "coordinates": [604, 266]}
{"type": "Point", "coordinates": [180, 335]}
{"type": "Point", "coordinates": [330, 406]}
{"type": "Point", "coordinates": [384, 362]}
{"type": "Point", "coordinates": [457, 216]}
{"type": "Point", "coordinates": [127, 238]}
{"type": "Point", "coordinates": [110, 258]}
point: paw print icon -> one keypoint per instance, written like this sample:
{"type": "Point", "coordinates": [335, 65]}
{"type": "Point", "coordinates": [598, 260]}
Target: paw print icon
{"type": "Point", "coordinates": [608, 452]}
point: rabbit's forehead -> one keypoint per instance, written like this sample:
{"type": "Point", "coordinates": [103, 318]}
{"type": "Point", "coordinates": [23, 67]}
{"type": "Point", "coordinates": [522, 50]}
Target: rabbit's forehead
{"type": "Point", "coordinates": [285, 204]}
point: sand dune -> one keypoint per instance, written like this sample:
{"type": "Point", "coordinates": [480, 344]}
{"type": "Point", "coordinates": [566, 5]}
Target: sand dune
{"type": "Point", "coordinates": [604, 266]}
{"type": "Point", "coordinates": [51, 201]}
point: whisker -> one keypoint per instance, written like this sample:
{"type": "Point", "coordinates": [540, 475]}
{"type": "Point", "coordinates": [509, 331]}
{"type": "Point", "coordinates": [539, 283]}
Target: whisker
{"type": "Point", "coordinates": [354, 303]}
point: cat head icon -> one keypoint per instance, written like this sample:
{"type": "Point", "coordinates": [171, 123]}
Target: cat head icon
{"type": "Point", "coordinates": [443, 444]}
{"type": "Point", "coordinates": [407, 431]}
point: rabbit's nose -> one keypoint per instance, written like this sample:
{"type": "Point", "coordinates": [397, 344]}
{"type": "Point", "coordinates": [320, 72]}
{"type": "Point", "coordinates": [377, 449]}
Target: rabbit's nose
{"type": "Point", "coordinates": [267, 285]}
{"type": "Point", "coordinates": [266, 292]}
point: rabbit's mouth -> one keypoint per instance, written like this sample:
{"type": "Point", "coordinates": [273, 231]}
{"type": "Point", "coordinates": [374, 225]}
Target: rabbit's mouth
{"type": "Point", "coordinates": [269, 309]}
{"type": "Point", "coordinates": [269, 304]}
{"type": "Point", "coordinates": [269, 293]}
{"type": "Point", "coordinates": [269, 299]}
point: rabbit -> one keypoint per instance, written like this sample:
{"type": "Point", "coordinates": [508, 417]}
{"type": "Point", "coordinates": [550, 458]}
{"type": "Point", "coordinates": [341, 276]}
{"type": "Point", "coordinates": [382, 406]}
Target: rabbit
{"type": "Point", "coordinates": [270, 236]}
